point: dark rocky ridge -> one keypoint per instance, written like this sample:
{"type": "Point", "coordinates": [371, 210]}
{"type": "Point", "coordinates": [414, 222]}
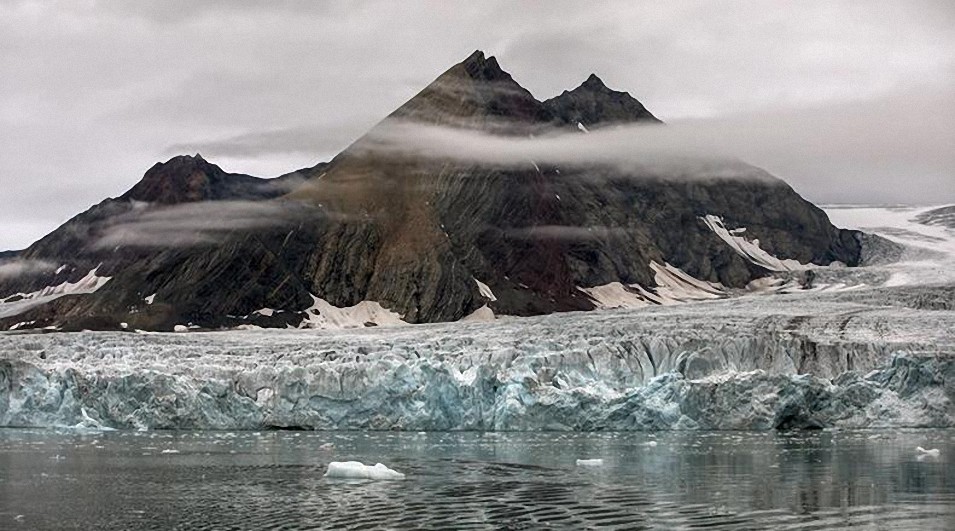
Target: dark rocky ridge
{"type": "Point", "coordinates": [593, 103]}
{"type": "Point", "coordinates": [414, 234]}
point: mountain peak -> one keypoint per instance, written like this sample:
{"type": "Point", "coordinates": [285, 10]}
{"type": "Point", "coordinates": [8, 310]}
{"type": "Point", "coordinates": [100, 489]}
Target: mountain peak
{"type": "Point", "coordinates": [593, 103]}
{"type": "Point", "coordinates": [476, 57]}
{"type": "Point", "coordinates": [477, 93]}
{"type": "Point", "coordinates": [483, 68]}
{"type": "Point", "coordinates": [594, 83]}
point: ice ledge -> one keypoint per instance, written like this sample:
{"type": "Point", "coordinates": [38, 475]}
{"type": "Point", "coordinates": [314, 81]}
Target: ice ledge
{"type": "Point", "coordinates": [910, 391]}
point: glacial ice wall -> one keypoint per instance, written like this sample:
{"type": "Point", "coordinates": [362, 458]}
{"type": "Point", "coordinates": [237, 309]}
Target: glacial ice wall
{"type": "Point", "coordinates": [749, 363]}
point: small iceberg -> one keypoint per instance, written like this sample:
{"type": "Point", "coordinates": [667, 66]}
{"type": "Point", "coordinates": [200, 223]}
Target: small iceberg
{"type": "Point", "coordinates": [927, 453]}
{"type": "Point", "coordinates": [590, 462]}
{"type": "Point", "coordinates": [88, 423]}
{"type": "Point", "coordinates": [356, 470]}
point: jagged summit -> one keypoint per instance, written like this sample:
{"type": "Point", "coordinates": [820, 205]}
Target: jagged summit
{"type": "Point", "coordinates": [593, 103]}
{"type": "Point", "coordinates": [475, 93]}
{"type": "Point", "coordinates": [594, 83]}
{"type": "Point", "coordinates": [480, 67]}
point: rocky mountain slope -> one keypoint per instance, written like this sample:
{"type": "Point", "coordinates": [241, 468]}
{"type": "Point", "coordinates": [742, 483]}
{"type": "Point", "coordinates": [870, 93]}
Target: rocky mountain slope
{"type": "Point", "coordinates": [375, 235]}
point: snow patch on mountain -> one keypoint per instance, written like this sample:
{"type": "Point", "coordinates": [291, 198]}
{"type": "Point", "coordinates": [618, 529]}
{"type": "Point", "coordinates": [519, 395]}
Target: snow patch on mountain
{"type": "Point", "coordinates": [323, 314]}
{"type": "Point", "coordinates": [616, 295]}
{"type": "Point", "coordinates": [481, 315]}
{"type": "Point", "coordinates": [749, 250]}
{"type": "Point", "coordinates": [20, 302]}
{"type": "Point", "coordinates": [485, 291]}
{"type": "Point", "coordinates": [673, 286]}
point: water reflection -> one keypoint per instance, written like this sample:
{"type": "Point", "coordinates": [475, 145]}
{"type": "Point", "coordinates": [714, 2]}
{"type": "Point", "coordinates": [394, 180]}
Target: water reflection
{"type": "Point", "coordinates": [273, 480]}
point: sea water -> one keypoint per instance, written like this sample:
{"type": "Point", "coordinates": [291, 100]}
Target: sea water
{"type": "Point", "coordinates": [459, 480]}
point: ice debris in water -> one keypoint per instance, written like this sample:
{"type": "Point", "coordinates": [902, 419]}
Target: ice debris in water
{"type": "Point", "coordinates": [88, 423]}
{"type": "Point", "coordinates": [590, 462]}
{"type": "Point", "coordinates": [356, 470]}
{"type": "Point", "coordinates": [927, 453]}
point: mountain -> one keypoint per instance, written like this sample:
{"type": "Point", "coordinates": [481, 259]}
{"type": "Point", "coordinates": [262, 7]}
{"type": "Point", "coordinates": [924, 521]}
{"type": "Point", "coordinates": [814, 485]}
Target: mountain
{"type": "Point", "coordinates": [375, 235]}
{"type": "Point", "coordinates": [593, 103]}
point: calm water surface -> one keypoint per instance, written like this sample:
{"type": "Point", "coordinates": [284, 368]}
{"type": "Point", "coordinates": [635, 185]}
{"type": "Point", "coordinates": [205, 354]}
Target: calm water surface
{"type": "Point", "coordinates": [273, 480]}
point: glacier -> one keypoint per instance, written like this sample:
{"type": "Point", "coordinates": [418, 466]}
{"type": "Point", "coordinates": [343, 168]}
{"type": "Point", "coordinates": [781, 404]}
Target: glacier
{"type": "Point", "coordinates": [786, 361]}
{"type": "Point", "coordinates": [881, 354]}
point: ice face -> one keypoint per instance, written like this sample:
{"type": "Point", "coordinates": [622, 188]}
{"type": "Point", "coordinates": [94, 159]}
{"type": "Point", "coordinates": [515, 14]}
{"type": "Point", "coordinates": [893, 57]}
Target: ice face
{"type": "Point", "coordinates": [747, 363]}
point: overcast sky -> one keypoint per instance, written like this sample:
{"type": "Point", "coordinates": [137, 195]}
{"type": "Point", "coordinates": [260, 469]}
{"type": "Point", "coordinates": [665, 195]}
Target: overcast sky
{"type": "Point", "coordinates": [93, 93]}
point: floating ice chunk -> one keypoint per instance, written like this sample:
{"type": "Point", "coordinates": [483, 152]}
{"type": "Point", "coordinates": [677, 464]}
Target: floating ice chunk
{"type": "Point", "coordinates": [169, 451]}
{"type": "Point", "coordinates": [89, 423]}
{"type": "Point", "coordinates": [651, 444]}
{"type": "Point", "coordinates": [927, 453]}
{"type": "Point", "coordinates": [590, 462]}
{"type": "Point", "coordinates": [356, 470]}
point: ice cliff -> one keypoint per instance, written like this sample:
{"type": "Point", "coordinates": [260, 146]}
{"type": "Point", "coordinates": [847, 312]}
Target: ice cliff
{"type": "Point", "coordinates": [749, 363]}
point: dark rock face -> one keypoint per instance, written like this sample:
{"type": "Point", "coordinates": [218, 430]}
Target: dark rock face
{"type": "Point", "coordinates": [186, 179]}
{"type": "Point", "coordinates": [414, 233]}
{"type": "Point", "coordinates": [592, 103]}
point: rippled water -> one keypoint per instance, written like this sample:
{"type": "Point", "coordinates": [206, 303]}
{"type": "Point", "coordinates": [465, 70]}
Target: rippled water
{"type": "Point", "coordinates": [273, 480]}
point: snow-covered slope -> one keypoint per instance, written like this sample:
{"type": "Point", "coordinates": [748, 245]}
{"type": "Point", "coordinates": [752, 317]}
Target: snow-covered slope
{"type": "Point", "coordinates": [928, 255]}
{"type": "Point", "coordinates": [20, 302]}
{"type": "Point", "coordinates": [673, 286]}
{"type": "Point", "coordinates": [749, 249]}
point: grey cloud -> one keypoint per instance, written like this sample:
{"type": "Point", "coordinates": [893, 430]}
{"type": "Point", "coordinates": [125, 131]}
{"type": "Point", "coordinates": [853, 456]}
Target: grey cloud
{"type": "Point", "coordinates": [192, 224]}
{"type": "Point", "coordinates": [20, 267]}
{"type": "Point", "coordinates": [828, 148]}
{"type": "Point", "coordinates": [294, 140]}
